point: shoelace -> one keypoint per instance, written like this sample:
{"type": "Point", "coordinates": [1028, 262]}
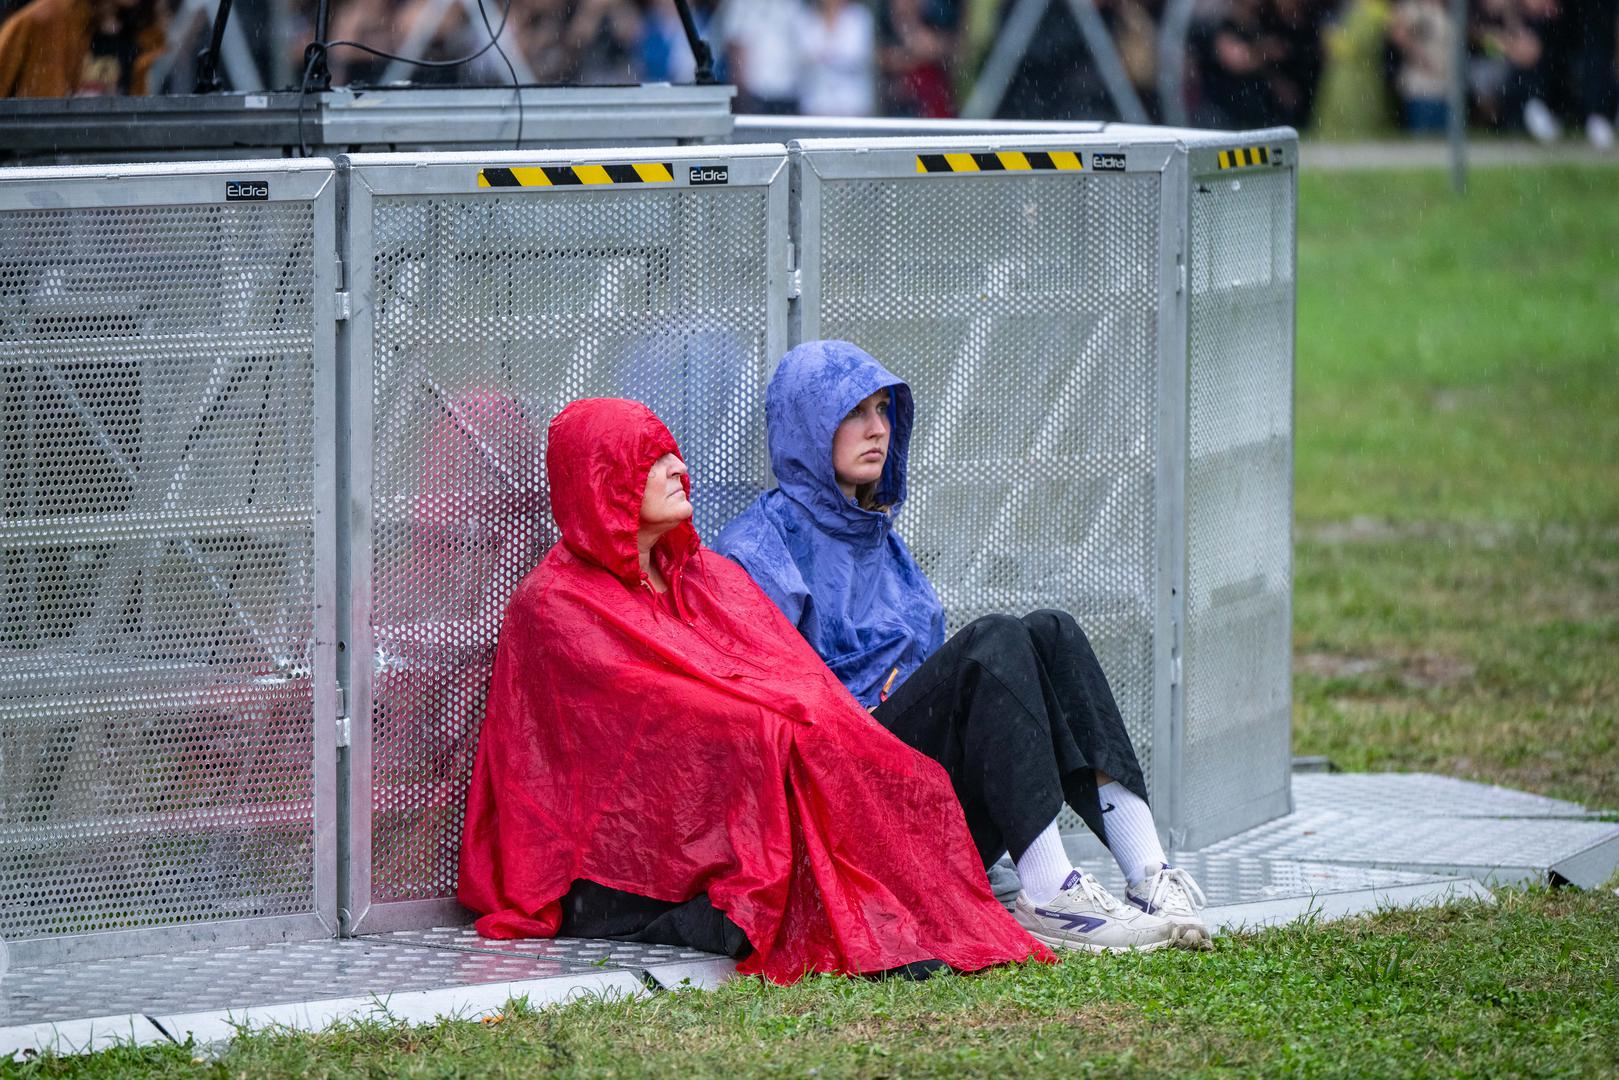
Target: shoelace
{"type": "Point", "coordinates": [1097, 895]}
{"type": "Point", "coordinates": [1170, 881]}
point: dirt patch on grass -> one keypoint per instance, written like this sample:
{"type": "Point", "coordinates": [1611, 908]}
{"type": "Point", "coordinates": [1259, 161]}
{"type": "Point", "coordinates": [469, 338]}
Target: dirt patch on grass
{"type": "Point", "coordinates": [1414, 671]}
{"type": "Point", "coordinates": [1336, 666]}
{"type": "Point", "coordinates": [1363, 529]}
{"type": "Point", "coordinates": [1432, 671]}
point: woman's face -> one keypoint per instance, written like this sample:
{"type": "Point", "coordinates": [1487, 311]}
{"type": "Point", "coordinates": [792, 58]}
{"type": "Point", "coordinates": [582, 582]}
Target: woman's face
{"type": "Point", "coordinates": [664, 504]}
{"type": "Point", "coordinates": [860, 445]}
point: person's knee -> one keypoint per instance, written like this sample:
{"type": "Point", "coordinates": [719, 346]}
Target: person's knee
{"type": "Point", "coordinates": [997, 636]}
{"type": "Point", "coordinates": [998, 628]}
{"type": "Point", "coordinates": [1056, 624]}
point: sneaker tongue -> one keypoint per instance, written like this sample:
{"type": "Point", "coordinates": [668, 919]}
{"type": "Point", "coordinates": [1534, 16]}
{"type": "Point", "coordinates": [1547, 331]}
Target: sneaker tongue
{"type": "Point", "coordinates": [1071, 880]}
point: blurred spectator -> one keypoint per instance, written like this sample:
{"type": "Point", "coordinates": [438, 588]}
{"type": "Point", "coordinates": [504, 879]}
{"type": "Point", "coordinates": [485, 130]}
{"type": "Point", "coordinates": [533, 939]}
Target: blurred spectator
{"type": "Point", "coordinates": [80, 48]}
{"type": "Point", "coordinates": [838, 48]}
{"type": "Point", "coordinates": [760, 39]}
{"type": "Point", "coordinates": [918, 45]}
{"type": "Point", "coordinates": [1354, 101]}
{"type": "Point", "coordinates": [602, 42]}
{"type": "Point", "coordinates": [1133, 27]}
{"type": "Point", "coordinates": [542, 31]}
{"type": "Point", "coordinates": [1592, 33]}
{"type": "Point", "coordinates": [1234, 61]}
{"type": "Point", "coordinates": [1508, 76]}
{"type": "Point", "coordinates": [1051, 83]}
{"type": "Point", "coordinates": [665, 54]}
{"type": "Point", "coordinates": [1425, 39]}
{"type": "Point", "coordinates": [371, 22]}
{"type": "Point", "coordinates": [1297, 27]}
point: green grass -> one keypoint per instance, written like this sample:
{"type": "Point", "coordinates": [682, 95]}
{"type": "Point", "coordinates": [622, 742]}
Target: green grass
{"type": "Point", "coordinates": [1457, 600]}
{"type": "Point", "coordinates": [1527, 987]}
{"type": "Point", "coordinates": [1457, 610]}
{"type": "Point", "coordinates": [1457, 359]}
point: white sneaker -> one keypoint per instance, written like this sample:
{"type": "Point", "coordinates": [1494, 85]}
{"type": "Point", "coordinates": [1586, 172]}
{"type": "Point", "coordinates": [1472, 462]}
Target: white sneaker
{"type": "Point", "coordinates": [1540, 121]}
{"type": "Point", "coordinates": [1173, 896]}
{"type": "Point", "coordinates": [1599, 132]}
{"type": "Point", "coordinates": [1086, 917]}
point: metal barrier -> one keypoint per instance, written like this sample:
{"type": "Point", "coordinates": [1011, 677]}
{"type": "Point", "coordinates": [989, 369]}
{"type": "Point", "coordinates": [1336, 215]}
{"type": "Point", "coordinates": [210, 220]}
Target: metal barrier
{"type": "Point", "coordinates": [1091, 435]}
{"type": "Point", "coordinates": [1098, 327]}
{"type": "Point", "coordinates": [166, 458]}
{"type": "Point", "coordinates": [1020, 291]}
{"type": "Point", "coordinates": [1237, 756]}
{"type": "Point", "coordinates": [489, 291]}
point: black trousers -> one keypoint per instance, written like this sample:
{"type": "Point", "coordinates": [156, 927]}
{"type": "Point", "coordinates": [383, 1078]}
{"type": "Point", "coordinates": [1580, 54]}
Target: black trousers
{"type": "Point", "coordinates": [1020, 715]}
{"type": "Point", "coordinates": [1017, 711]}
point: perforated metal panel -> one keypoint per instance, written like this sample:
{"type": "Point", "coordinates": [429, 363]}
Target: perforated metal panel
{"type": "Point", "coordinates": [1023, 309]}
{"type": "Point", "coordinates": [1239, 503]}
{"type": "Point", "coordinates": [157, 549]}
{"type": "Point", "coordinates": [489, 311]}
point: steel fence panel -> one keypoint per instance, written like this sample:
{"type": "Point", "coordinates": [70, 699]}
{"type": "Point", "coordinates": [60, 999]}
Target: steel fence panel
{"type": "Point", "coordinates": [1020, 292]}
{"type": "Point", "coordinates": [165, 672]}
{"type": "Point", "coordinates": [489, 292]}
{"type": "Point", "coordinates": [1239, 488]}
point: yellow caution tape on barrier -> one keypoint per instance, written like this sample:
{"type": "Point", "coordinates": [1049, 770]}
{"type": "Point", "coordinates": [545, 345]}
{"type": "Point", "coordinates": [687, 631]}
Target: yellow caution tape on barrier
{"type": "Point", "coordinates": [1248, 157]}
{"type": "Point", "coordinates": [1001, 161]}
{"type": "Point", "coordinates": [641, 172]}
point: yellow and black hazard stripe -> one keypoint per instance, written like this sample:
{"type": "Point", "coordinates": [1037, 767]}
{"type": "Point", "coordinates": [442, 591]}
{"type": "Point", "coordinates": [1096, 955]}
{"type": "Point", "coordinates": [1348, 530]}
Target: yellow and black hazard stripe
{"type": "Point", "coordinates": [1001, 161]}
{"type": "Point", "coordinates": [640, 172]}
{"type": "Point", "coordinates": [1245, 157]}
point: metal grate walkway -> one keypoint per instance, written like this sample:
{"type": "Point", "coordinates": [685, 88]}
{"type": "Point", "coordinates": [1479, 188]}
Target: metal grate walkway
{"type": "Point", "coordinates": [1334, 855]}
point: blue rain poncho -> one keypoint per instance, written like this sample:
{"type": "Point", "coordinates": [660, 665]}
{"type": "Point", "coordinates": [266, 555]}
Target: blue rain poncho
{"type": "Point", "coordinates": [840, 573]}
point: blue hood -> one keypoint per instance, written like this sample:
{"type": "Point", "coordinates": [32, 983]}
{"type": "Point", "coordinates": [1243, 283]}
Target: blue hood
{"type": "Point", "coordinates": [814, 388]}
{"type": "Point", "coordinates": [838, 572]}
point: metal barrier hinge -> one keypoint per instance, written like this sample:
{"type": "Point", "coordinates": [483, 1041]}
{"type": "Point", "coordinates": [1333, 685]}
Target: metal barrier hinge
{"type": "Point", "coordinates": [1175, 653]}
{"type": "Point", "coordinates": [344, 308]}
{"type": "Point", "coordinates": [795, 275]}
{"type": "Point", "coordinates": [342, 717]}
{"type": "Point", "coordinates": [1180, 274]}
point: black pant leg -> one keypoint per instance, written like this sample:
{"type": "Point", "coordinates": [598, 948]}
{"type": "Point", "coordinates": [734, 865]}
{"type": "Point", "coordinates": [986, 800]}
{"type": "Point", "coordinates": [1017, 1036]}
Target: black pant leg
{"type": "Point", "coordinates": [590, 910]}
{"type": "Point", "coordinates": [978, 708]}
{"type": "Point", "coordinates": [1081, 701]}
{"type": "Point", "coordinates": [1596, 82]}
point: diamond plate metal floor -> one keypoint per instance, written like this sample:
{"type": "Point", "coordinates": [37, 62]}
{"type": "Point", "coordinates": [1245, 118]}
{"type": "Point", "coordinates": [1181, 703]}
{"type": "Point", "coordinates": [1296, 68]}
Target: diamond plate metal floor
{"type": "Point", "coordinates": [1336, 854]}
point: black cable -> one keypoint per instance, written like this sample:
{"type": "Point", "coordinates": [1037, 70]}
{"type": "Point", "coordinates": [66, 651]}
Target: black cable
{"type": "Point", "coordinates": [700, 54]}
{"type": "Point", "coordinates": [207, 80]}
{"type": "Point", "coordinates": [317, 51]}
{"type": "Point", "coordinates": [311, 55]}
{"type": "Point", "coordinates": [516, 87]}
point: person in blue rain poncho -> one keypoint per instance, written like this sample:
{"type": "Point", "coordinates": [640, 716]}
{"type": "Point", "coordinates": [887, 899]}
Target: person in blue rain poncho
{"type": "Point", "coordinates": [1017, 710]}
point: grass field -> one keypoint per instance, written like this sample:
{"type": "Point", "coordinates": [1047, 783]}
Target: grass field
{"type": "Point", "coordinates": [1457, 601]}
{"type": "Point", "coordinates": [1457, 611]}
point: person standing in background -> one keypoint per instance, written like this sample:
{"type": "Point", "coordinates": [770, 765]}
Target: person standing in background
{"type": "Point", "coordinates": [1298, 26]}
{"type": "Point", "coordinates": [1512, 75]}
{"type": "Point", "coordinates": [1423, 33]}
{"type": "Point", "coordinates": [1233, 62]}
{"type": "Point", "coordinates": [761, 48]}
{"type": "Point", "coordinates": [80, 48]}
{"type": "Point", "coordinates": [838, 44]}
{"type": "Point", "coordinates": [1596, 90]}
{"type": "Point", "coordinates": [919, 39]}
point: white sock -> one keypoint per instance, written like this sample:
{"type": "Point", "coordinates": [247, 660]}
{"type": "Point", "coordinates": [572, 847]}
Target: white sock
{"type": "Point", "coordinates": [1131, 835]}
{"type": "Point", "coordinates": [1045, 865]}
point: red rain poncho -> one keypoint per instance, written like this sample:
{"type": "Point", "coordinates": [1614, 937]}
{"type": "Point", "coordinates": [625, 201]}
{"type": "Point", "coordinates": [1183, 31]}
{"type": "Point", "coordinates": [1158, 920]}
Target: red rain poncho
{"type": "Point", "coordinates": [694, 742]}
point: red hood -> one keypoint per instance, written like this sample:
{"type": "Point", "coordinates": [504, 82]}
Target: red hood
{"type": "Point", "coordinates": [713, 753]}
{"type": "Point", "coordinates": [598, 453]}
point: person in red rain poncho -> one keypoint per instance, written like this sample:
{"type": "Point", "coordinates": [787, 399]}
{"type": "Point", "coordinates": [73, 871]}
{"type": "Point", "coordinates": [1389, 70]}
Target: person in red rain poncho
{"type": "Point", "coordinates": [657, 728]}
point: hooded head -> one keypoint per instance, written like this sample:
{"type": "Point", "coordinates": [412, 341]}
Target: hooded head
{"type": "Point", "coordinates": [815, 386]}
{"type": "Point", "coordinates": [598, 454]}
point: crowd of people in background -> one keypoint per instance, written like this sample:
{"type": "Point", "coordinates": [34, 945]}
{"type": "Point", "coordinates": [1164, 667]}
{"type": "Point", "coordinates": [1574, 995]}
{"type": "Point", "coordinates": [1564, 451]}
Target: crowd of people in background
{"type": "Point", "coordinates": [1347, 67]}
